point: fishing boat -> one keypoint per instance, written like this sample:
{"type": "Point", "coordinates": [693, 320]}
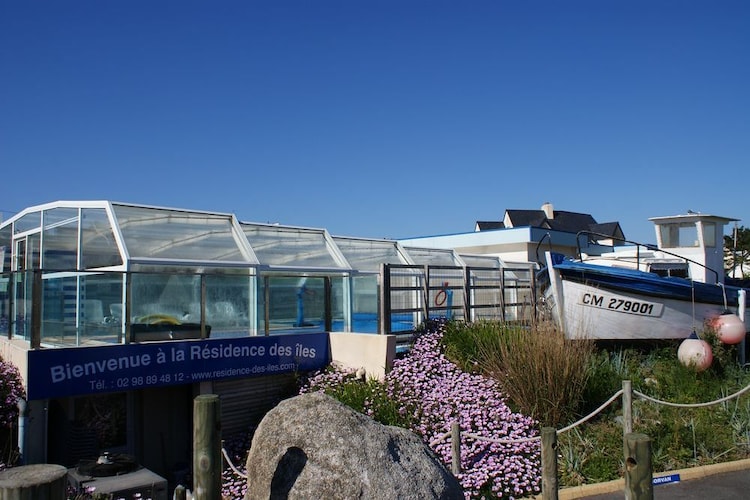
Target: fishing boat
{"type": "Point", "coordinates": [645, 292]}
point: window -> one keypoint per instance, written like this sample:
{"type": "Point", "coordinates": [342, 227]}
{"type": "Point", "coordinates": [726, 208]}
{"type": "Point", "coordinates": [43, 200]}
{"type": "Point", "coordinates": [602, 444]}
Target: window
{"type": "Point", "coordinates": [709, 234]}
{"type": "Point", "coordinates": [679, 235]}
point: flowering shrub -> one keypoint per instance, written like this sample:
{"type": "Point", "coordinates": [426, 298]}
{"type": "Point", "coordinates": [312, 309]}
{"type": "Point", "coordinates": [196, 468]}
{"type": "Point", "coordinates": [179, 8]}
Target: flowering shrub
{"type": "Point", "coordinates": [428, 393]}
{"type": "Point", "coordinates": [444, 394]}
{"type": "Point", "coordinates": [11, 389]}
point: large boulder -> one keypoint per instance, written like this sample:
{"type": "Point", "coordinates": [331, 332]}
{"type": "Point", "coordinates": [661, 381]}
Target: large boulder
{"type": "Point", "coordinates": [312, 446]}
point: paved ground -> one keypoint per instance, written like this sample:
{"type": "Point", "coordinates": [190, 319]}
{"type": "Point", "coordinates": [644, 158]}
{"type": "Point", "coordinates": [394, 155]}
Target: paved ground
{"type": "Point", "coordinates": [714, 482]}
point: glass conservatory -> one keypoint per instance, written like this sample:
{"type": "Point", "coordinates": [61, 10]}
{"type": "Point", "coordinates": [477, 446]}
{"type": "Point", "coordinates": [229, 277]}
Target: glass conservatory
{"type": "Point", "coordinates": [87, 273]}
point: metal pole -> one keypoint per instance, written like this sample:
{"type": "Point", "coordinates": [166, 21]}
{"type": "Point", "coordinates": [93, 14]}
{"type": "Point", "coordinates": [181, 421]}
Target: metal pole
{"type": "Point", "coordinates": [36, 309]}
{"type": "Point", "coordinates": [21, 403]}
{"type": "Point", "coordinates": [741, 304]}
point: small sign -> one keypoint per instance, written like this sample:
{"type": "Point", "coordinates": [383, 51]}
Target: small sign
{"type": "Point", "coordinates": [672, 478]}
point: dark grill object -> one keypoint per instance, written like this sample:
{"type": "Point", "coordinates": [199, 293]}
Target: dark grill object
{"type": "Point", "coordinates": [108, 464]}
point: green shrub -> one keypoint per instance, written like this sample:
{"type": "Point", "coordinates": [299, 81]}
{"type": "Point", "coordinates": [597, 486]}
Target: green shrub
{"type": "Point", "coordinates": [466, 343]}
{"type": "Point", "coordinates": [368, 396]}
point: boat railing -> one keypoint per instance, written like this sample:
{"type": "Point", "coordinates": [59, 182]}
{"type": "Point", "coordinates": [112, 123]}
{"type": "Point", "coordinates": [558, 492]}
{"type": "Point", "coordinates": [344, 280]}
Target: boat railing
{"type": "Point", "coordinates": [648, 246]}
{"type": "Point", "coordinates": [548, 237]}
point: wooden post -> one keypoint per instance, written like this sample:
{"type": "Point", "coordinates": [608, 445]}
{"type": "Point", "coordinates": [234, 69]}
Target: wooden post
{"type": "Point", "coordinates": [207, 447]}
{"type": "Point", "coordinates": [638, 475]}
{"type": "Point", "coordinates": [549, 463]}
{"type": "Point", "coordinates": [455, 448]}
{"type": "Point", "coordinates": [180, 493]}
{"type": "Point", "coordinates": [627, 407]}
{"type": "Point", "coordinates": [34, 482]}
{"type": "Point", "coordinates": [627, 413]}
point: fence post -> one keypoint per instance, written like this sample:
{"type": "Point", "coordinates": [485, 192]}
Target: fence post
{"type": "Point", "coordinates": [549, 463]}
{"type": "Point", "coordinates": [627, 412]}
{"type": "Point", "coordinates": [455, 448]}
{"type": "Point", "coordinates": [627, 407]}
{"type": "Point", "coordinates": [207, 447]}
{"type": "Point", "coordinates": [180, 493]}
{"type": "Point", "coordinates": [638, 475]}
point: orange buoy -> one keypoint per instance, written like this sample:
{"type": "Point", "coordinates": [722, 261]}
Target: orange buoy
{"type": "Point", "coordinates": [729, 328]}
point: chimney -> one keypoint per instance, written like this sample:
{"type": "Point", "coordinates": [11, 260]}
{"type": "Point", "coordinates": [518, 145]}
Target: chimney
{"type": "Point", "coordinates": [549, 210]}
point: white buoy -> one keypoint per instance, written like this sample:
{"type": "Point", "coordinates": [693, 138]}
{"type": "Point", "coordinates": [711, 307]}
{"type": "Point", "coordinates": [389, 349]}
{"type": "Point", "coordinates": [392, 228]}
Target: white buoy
{"type": "Point", "coordinates": [695, 353]}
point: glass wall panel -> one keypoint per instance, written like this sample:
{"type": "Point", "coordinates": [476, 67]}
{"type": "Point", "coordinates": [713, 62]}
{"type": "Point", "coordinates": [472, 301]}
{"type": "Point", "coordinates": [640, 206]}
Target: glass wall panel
{"type": "Point", "coordinates": [175, 299]}
{"type": "Point", "coordinates": [173, 234]}
{"type": "Point", "coordinates": [4, 304]}
{"type": "Point", "coordinates": [33, 251]}
{"type": "Point", "coordinates": [228, 305]}
{"type": "Point", "coordinates": [22, 287]}
{"type": "Point", "coordinates": [59, 309]}
{"type": "Point", "coordinates": [365, 304]}
{"type": "Point", "coordinates": [165, 306]}
{"type": "Point", "coordinates": [165, 297]}
{"type": "Point", "coordinates": [285, 246]}
{"type": "Point", "coordinates": [295, 304]}
{"type": "Point", "coordinates": [98, 246]}
{"type": "Point", "coordinates": [82, 309]}
{"type": "Point", "coordinates": [100, 303]}
{"type": "Point", "coordinates": [60, 239]}
{"type": "Point", "coordinates": [6, 240]}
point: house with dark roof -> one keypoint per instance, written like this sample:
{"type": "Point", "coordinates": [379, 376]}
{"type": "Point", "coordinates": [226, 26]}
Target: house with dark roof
{"type": "Point", "coordinates": [558, 220]}
{"type": "Point", "coordinates": [523, 234]}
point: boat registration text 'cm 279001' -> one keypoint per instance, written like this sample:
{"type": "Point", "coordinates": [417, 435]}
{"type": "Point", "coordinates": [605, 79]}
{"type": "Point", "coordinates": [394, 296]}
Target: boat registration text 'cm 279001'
{"type": "Point", "coordinates": [622, 305]}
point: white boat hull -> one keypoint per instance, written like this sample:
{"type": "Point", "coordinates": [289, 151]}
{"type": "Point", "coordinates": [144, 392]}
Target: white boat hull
{"type": "Point", "coordinates": [583, 309]}
{"type": "Point", "coordinates": [587, 312]}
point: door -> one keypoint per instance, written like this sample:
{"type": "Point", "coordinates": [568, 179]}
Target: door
{"type": "Point", "coordinates": [27, 258]}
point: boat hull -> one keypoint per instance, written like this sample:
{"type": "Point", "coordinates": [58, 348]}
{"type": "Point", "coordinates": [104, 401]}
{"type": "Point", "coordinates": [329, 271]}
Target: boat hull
{"type": "Point", "coordinates": [587, 307]}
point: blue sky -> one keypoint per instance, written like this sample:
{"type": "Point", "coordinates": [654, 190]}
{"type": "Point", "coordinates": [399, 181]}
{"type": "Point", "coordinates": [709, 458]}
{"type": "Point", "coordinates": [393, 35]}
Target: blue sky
{"type": "Point", "coordinates": [379, 118]}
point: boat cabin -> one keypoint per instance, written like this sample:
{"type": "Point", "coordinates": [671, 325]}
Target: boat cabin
{"type": "Point", "coordinates": [698, 238]}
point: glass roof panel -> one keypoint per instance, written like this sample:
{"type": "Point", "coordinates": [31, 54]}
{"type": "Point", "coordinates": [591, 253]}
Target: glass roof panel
{"type": "Point", "coordinates": [290, 246]}
{"type": "Point", "coordinates": [432, 256]}
{"type": "Point", "coordinates": [60, 216]}
{"type": "Point", "coordinates": [367, 255]}
{"type": "Point", "coordinates": [28, 222]}
{"type": "Point", "coordinates": [481, 261]}
{"type": "Point", "coordinates": [175, 234]}
{"type": "Point", "coordinates": [98, 246]}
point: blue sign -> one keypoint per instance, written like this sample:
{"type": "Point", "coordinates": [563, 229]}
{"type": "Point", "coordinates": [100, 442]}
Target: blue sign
{"type": "Point", "coordinates": [78, 371]}
{"type": "Point", "coordinates": [672, 478]}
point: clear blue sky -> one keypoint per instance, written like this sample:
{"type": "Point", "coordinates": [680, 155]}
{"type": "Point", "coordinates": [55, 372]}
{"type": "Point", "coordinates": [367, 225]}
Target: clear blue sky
{"type": "Point", "coordinates": [379, 118]}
